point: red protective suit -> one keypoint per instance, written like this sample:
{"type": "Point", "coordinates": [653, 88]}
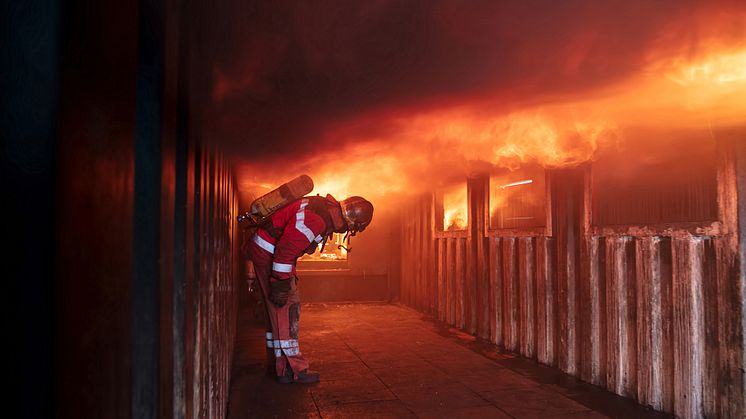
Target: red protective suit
{"type": "Point", "coordinates": [299, 229]}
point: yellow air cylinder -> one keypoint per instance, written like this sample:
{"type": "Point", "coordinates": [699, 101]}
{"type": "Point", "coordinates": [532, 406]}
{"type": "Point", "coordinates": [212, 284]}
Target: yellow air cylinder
{"type": "Point", "coordinates": [283, 195]}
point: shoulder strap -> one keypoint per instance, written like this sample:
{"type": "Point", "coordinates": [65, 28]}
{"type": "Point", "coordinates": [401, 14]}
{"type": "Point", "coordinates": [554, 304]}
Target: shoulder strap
{"type": "Point", "coordinates": [316, 204]}
{"type": "Point", "coordinates": [271, 229]}
{"type": "Point", "coordinates": [320, 207]}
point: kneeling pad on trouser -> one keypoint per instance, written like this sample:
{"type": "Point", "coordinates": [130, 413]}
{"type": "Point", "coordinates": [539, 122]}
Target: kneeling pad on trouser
{"type": "Point", "coordinates": [294, 318]}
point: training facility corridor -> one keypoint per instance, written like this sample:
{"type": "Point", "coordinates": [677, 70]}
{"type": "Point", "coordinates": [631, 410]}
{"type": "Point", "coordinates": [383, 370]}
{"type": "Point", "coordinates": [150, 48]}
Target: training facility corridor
{"type": "Point", "coordinates": [503, 208]}
{"type": "Point", "coordinates": [382, 360]}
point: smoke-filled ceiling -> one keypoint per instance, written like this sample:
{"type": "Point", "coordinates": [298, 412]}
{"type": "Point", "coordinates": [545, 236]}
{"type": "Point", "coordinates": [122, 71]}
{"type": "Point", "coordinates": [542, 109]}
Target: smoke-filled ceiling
{"type": "Point", "coordinates": [373, 97]}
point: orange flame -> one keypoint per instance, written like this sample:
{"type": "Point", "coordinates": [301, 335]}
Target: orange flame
{"type": "Point", "coordinates": [455, 208]}
{"type": "Point", "coordinates": [418, 151]}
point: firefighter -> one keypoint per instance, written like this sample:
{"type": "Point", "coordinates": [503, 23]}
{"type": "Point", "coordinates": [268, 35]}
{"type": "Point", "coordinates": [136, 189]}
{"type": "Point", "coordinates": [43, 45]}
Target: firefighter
{"type": "Point", "coordinates": [293, 230]}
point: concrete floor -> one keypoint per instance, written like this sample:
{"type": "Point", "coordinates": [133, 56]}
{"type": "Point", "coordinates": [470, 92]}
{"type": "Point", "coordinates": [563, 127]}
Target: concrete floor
{"type": "Point", "coordinates": [386, 361]}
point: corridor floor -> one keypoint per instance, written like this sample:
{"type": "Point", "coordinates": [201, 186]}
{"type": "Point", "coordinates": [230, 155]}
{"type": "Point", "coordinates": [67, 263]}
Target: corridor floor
{"type": "Point", "coordinates": [385, 360]}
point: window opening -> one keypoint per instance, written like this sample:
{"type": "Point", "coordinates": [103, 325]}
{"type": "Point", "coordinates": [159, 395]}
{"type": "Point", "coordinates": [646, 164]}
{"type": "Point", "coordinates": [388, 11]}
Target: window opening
{"type": "Point", "coordinates": [653, 180]}
{"type": "Point", "coordinates": [332, 252]}
{"type": "Point", "coordinates": [518, 198]}
{"type": "Point", "coordinates": [452, 208]}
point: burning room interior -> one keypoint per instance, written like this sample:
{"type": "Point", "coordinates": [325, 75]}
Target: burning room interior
{"type": "Point", "coordinates": [559, 191]}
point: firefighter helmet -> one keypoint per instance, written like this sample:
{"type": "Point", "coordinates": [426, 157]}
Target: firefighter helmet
{"type": "Point", "coordinates": [357, 212]}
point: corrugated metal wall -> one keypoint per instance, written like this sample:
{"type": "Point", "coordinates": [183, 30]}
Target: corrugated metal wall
{"type": "Point", "coordinates": [654, 315]}
{"type": "Point", "coordinates": [211, 313]}
{"type": "Point", "coordinates": [145, 240]}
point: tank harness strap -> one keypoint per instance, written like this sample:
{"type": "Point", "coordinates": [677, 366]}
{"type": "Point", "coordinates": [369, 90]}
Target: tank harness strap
{"type": "Point", "coordinates": [317, 205]}
{"type": "Point", "coordinates": [270, 228]}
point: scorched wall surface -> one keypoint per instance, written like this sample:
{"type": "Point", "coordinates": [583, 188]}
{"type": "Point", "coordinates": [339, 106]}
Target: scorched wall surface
{"type": "Point", "coordinates": [654, 314]}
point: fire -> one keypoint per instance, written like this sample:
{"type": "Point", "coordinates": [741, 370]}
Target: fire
{"type": "Point", "coordinates": [546, 139]}
{"type": "Point", "coordinates": [331, 183]}
{"type": "Point", "coordinates": [715, 70]}
{"type": "Point", "coordinates": [334, 250]}
{"type": "Point", "coordinates": [455, 208]}
{"type": "Point", "coordinates": [400, 151]}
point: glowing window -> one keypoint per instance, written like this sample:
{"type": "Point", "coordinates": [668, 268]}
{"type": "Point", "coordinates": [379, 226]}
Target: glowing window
{"type": "Point", "coordinates": [518, 198]}
{"type": "Point", "coordinates": [452, 209]}
{"type": "Point", "coordinates": [333, 251]}
{"type": "Point", "coordinates": [654, 180]}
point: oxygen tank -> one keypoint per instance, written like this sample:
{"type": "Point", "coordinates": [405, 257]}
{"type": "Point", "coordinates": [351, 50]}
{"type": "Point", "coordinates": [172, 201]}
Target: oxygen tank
{"type": "Point", "coordinates": [270, 202]}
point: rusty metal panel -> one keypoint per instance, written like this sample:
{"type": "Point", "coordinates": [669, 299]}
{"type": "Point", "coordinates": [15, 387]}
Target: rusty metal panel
{"type": "Point", "coordinates": [214, 302]}
{"type": "Point", "coordinates": [470, 281]}
{"type": "Point", "coordinates": [545, 302]}
{"type": "Point", "coordinates": [665, 250]}
{"type": "Point", "coordinates": [451, 280]}
{"type": "Point", "coordinates": [689, 343]}
{"type": "Point", "coordinates": [510, 293]}
{"type": "Point", "coordinates": [495, 293]}
{"type": "Point", "coordinates": [408, 264]}
{"type": "Point", "coordinates": [441, 278]}
{"type": "Point", "coordinates": [477, 269]}
{"type": "Point", "coordinates": [730, 318]}
{"type": "Point", "coordinates": [484, 287]}
{"type": "Point", "coordinates": [710, 291]}
{"type": "Point", "coordinates": [431, 258]}
{"type": "Point", "coordinates": [597, 295]}
{"type": "Point", "coordinates": [650, 369]}
{"type": "Point", "coordinates": [655, 315]}
{"type": "Point", "coordinates": [423, 271]}
{"type": "Point", "coordinates": [621, 314]}
{"type": "Point", "coordinates": [526, 296]}
{"type": "Point", "coordinates": [459, 279]}
{"type": "Point", "coordinates": [730, 253]}
{"type": "Point", "coordinates": [567, 195]}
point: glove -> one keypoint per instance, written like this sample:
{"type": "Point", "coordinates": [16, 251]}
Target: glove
{"type": "Point", "coordinates": [278, 292]}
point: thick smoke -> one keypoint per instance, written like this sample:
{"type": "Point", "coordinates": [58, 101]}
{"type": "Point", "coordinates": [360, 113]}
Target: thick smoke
{"type": "Point", "coordinates": [422, 92]}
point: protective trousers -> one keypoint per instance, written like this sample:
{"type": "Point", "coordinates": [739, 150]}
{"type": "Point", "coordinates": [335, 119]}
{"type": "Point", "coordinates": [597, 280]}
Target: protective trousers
{"type": "Point", "coordinates": [282, 331]}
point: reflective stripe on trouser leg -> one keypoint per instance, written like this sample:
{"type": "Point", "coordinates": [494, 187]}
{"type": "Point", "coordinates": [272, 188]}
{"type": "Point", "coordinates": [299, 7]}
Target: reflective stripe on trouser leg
{"type": "Point", "coordinates": [288, 347]}
{"type": "Point", "coordinates": [281, 328]}
{"type": "Point", "coordinates": [268, 336]}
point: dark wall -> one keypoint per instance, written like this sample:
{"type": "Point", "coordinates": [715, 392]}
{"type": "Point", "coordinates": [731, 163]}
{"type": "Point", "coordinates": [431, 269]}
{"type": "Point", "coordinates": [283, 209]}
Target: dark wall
{"type": "Point", "coordinates": [29, 81]}
{"type": "Point", "coordinates": [120, 213]}
{"type": "Point", "coordinates": [94, 211]}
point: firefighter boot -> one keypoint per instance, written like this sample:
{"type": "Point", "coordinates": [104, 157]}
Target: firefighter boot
{"type": "Point", "coordinates": [304, 377]}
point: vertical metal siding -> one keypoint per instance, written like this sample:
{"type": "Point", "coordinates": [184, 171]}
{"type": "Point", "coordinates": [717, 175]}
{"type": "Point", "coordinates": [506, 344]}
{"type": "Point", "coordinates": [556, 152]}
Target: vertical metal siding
{"type": "Point", "coordinates": [657, 318]}
{"type": "Point", "coordinates": [214, 309]}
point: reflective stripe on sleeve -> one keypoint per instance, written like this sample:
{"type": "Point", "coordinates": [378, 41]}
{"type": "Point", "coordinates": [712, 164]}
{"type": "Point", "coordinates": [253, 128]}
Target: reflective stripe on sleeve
{"type": "Point", "coordinates": [270, 344]}
{"type": "Point", "coordinates": [300, 216]}
{"type": "Point", "coordinates": [264, 244]}
{"type": "Point", "coordinates": [282, 267]}
{"type": "Point", "coordinates": [318, 239]}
